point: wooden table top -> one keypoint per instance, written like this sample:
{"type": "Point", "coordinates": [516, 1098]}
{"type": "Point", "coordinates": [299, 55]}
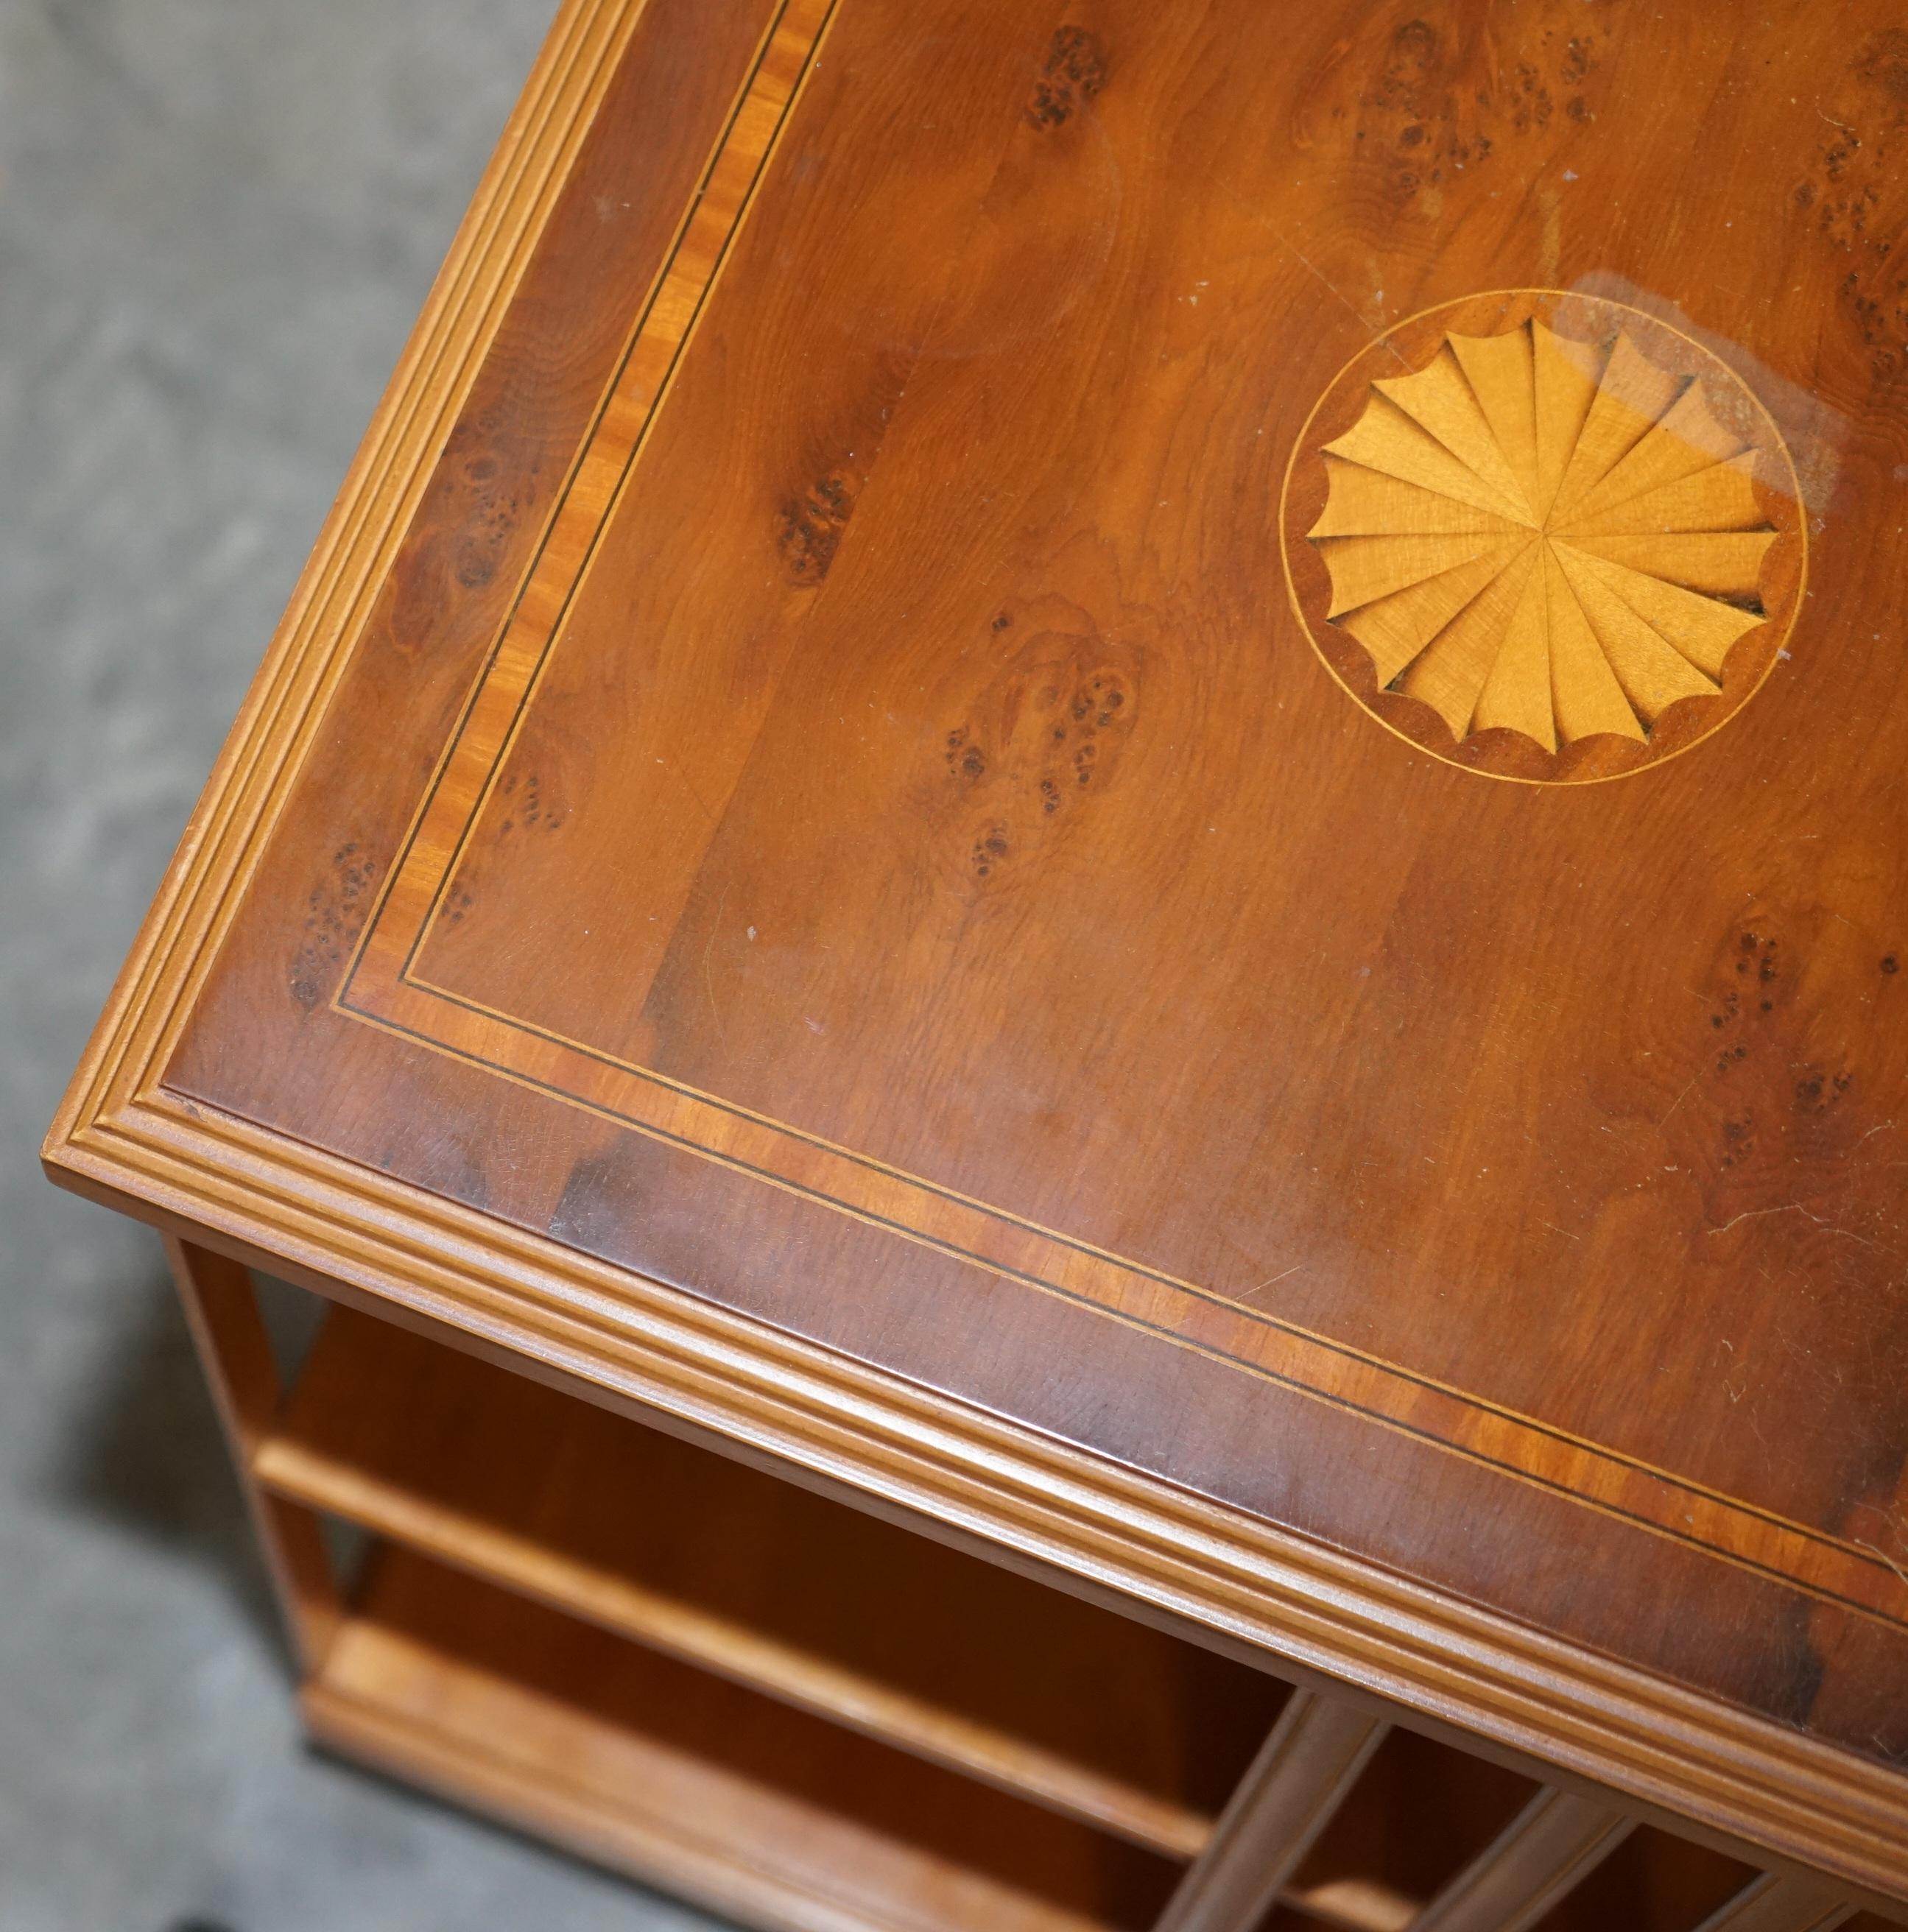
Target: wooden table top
{"type": "Point", "coordinates": [1139, 775]}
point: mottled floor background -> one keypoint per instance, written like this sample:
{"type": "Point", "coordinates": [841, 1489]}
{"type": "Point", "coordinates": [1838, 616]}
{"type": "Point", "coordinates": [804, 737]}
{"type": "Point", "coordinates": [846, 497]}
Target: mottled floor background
{"type": "Point", "coordinates": [218, 218]}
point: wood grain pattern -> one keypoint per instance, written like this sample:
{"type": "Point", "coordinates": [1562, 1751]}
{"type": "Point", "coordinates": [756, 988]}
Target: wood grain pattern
{"type": "Point", "coordinates": [1195, 1139]}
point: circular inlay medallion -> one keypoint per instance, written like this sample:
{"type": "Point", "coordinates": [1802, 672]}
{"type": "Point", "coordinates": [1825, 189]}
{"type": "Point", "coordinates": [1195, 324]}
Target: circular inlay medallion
{"type": "Point", "coordinates": [1545, 536]}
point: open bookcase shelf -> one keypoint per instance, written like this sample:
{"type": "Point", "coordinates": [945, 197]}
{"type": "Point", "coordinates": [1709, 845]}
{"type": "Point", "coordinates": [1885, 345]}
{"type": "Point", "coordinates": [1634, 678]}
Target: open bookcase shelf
{"type": "Point", "coordinates": [728, 1797]}
{"type": "Point", "coordinates": [1422, 1812]}
{"type": "Point", "coordinates": [959, 1663]}
{"type": "Point", "coordinates": [813, 1719]}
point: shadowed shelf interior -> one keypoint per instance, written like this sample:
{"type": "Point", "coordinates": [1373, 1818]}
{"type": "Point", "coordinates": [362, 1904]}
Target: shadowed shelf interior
{"type": "Point", "coordinates": [1067, 919]}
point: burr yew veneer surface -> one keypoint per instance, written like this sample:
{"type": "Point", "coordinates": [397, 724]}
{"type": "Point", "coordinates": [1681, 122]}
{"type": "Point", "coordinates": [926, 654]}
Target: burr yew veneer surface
{"type": "Point", "coordinates": [835, 783]}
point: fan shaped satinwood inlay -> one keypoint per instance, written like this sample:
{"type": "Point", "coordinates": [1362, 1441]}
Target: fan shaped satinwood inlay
{"type": "Point", "coordinates": [1544, 536]}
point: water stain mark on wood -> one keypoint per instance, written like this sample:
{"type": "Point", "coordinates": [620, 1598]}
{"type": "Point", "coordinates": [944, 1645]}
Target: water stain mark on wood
{"type": "Point", "coordinates": [965, 759]}
{"type": "Point", "coordinates": [991, 849]}
{"type": "Point", "coordinates": [811, 526]}
{"type": "Point", "coordinates": [1853, 199]}
{"type": "Point", "coordinates": [332, 910]}
{"type": "Point", "coordinates": [532, 803]}
{"type": "Point", "coordinates": [1882, 62]}
{"type": "Point", "coordinates": [1412, 68]}
{"type": "Point", "coordinates": [1042, 738]}
{"type": "Point", "coordinates": [489, 472]}
{"type": "Point", "coordinates": [1816, 1092]}
{"type": "Point", "coordinates": [1441, 99]}
{"type": "Point", "coordinates": [1075, 70]}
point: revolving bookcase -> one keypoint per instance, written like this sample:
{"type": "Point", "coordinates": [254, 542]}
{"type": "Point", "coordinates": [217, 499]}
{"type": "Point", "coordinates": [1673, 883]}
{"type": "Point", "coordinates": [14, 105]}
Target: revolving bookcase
{"type": "Point", "coordinates": [1064, 925]}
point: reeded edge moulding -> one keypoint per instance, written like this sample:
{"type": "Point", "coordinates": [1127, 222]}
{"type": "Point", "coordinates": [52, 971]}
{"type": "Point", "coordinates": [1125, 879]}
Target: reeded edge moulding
{"type": "Point", "coordinates": [1543, 536]}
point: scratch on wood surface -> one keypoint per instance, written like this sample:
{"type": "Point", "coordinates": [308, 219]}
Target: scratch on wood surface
{"type": "Point", "coordinates": [1325, 282]}
{"type": "Point", "coordinates": [1793, 1207]}
{"type": "Point", "coordinates": [1271, 1282]}
{"type": "Point", "coordinates": [1318, 275]}
{"type": "Point", "coordinates": [1676, 1103]}
{"type": "Point", "coordinates": [1862, 1543]}
{"type": "Point", "coordinates": [709, 974]}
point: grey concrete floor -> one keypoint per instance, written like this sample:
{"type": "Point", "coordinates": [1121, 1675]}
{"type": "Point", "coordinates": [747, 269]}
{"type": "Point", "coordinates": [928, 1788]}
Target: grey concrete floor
{"type": "Point", "coordinates": [218, 218]}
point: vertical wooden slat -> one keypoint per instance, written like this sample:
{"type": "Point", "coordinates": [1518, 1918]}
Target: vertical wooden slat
{"type": "Point", "coordinates": [1301, 1774]}
{"type": "Point", "coordinates": [1557, 1839]}
{"type": "Point", "coordinates": [1774, 1903]}
{"type": "Point", "coordinates": [221, 1310]}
